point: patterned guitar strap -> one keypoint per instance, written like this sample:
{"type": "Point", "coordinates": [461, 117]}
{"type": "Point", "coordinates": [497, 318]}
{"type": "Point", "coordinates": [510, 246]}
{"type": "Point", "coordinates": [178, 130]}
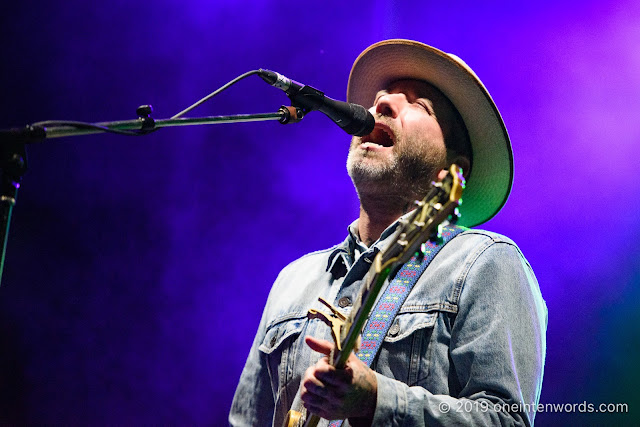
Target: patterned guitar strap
{"type": "Point", "coordinates": [394, 296]}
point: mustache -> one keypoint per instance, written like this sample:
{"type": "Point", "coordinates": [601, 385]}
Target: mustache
{"type": "Point", "coordinates": [390, 123]}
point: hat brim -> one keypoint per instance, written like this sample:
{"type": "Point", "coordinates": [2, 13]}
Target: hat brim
{"type": "Point", "coordinates": [489, 183]}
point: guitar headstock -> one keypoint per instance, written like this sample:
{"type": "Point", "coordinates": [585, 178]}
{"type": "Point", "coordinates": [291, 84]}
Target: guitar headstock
{"type": "Point", "coordinates": [438, 205]}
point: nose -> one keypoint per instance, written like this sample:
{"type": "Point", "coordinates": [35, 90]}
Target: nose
{"type": "Point", "coordinates": [389, 104]}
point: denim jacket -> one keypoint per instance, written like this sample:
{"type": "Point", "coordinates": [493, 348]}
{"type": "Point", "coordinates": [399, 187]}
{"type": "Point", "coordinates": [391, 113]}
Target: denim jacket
{"type": "Point", "coordinates": [467, 346]}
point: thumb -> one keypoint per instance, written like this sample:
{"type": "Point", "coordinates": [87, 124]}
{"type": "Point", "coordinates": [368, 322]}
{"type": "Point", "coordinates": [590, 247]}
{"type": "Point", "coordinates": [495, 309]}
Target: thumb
{"type": "Point", "coordinates": [321, 346]}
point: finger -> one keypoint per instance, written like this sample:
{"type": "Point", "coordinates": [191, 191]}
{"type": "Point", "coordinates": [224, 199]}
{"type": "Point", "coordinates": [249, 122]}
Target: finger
{"type": "Point", "coordinates": [314, 387]}
{"type": "Point", "coordinates": [321, 346]}
{"type": "Point", "coordinates": [323, 374]}
{"type": "Point", "coordinates": [337, 378]}
{"type": "Point", "coordinates": [312, 381]}
{"type": "Point", "coordinates": [318, 409]}
{"type": "Point", "coordinates": [312, 393]}
{"type": "Point", "coordinates": [341, 379]}
{"type": "Point", "coordinates": [310, 376]}
{"type": "Point", "coordinates": [320, 406]}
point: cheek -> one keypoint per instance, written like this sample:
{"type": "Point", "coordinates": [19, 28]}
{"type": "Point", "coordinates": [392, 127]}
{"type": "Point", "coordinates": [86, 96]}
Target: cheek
{"type": "Point", "coordinates": [427, 141]}
{"type": "Point", "coordinates": [433, 132]}
{"type": "Point", "coordinates": [421, 123]}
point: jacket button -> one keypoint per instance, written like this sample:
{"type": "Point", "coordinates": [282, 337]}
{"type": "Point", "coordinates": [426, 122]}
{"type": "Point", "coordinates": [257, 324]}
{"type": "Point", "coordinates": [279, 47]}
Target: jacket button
{"type": "Point", "coordinates": [273, 340]}
{"type": "Point", "coordinates": [394, 329]}
{"type": "Point", "coordinates": [344, 302]}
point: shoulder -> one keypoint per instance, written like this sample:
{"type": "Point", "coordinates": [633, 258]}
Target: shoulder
{"type": "Point", "coordinates": [484, 237]}
{"type": "Point", "coordinates": [299, 285]}
{"type": "Point", "coordinates": [475, 245]}
{"type": "Point", "coordinates": [312, 263]}
{"type": "Point", "coordinates": [481, 261]}
{"type": "Point", "coordinates": [493, 265]}
{"type": "Point", "coordinates": [473, 261]}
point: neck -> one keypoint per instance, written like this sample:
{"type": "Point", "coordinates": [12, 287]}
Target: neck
{"type": "Point", "coordinates": [378, 213]}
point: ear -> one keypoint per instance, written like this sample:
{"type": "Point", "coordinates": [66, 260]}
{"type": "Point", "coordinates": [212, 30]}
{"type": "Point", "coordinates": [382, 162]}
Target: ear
{"type": "Point", "coordinates": [461, 161]}
{"type": "Point", "coordinates": [464, 164]}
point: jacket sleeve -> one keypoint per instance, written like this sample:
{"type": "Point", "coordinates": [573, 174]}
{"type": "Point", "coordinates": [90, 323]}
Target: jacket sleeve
{"type": "Point", "coordinates": [497, 350]}
{"type": "Point", "coordinates": [253, 403]}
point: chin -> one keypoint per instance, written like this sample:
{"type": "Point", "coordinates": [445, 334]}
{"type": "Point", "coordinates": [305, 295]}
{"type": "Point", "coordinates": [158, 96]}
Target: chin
{"type": "Point", "coordinates": [368, 169]}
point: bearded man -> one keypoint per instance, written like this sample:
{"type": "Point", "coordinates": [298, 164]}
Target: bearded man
{"type": "Point", "coordinates": [468, 344]}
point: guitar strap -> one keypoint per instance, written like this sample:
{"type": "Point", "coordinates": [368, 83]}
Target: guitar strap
{"type": "Point", "coordinates": [394, 296]}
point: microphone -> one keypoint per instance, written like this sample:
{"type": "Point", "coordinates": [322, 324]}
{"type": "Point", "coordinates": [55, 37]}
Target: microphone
{"type": "Point", "coordinates": [352, 118]}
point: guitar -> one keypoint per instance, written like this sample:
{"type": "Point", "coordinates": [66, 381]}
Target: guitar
{"type": "Point", "coordinates": [423, 224]}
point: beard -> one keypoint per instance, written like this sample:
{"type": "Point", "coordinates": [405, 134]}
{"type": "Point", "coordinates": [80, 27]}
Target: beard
{"type": "Point", "coordinates": [406, 174]}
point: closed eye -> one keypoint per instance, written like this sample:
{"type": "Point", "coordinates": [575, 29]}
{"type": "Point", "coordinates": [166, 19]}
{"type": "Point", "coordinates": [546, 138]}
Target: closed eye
{"type": "Point", "coordinates": [426, 105]}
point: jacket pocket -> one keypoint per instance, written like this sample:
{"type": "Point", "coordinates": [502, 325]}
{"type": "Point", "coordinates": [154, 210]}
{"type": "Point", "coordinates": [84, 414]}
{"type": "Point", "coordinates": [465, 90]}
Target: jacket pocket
{"type": "Point", "coordinates": [406, 350]}
{"type": "Point", "coordinates": [406, 324]}
{"type": "Point", "coordinates": [280, 347]}
{"type": "Point", "coordinates": [280, 332]}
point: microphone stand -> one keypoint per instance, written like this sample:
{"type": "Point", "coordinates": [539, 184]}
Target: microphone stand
{"type": "Point", "coordinates": [13, 157]}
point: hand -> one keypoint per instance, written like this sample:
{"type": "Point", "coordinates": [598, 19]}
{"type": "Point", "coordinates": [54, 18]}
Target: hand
{"type": "Point", "coordinates": [336, 394]}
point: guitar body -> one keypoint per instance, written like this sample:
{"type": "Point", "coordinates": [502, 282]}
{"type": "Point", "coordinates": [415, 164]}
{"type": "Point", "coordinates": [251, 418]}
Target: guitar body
{"type": "Point", "coordinates": [294, 418]}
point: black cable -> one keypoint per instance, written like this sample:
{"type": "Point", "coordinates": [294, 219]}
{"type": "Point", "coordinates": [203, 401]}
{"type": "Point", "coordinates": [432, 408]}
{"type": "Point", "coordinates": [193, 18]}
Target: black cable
{"type": "Point", "coordinates": [135, 132]}
{"type": "Point", "coordinates": [211, 95]}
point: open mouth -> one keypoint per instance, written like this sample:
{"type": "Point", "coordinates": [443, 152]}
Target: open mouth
{"type": "Point", "coordinates": [381, 135]}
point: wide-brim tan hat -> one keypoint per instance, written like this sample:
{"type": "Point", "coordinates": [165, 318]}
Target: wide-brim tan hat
{"type": "Point", "coordinates": [489, 183]}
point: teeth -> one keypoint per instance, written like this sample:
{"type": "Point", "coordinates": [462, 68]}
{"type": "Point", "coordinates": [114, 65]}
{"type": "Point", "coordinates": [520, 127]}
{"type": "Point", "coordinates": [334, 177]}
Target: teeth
{"type": "Point", "coordinates": [379, 136]}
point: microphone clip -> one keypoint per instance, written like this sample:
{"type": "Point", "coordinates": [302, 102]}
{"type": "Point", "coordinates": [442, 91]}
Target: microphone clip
{"type": "Point", "coordinates": [307, 98]}
{"type": "Point", "coordinates": [290, 114]}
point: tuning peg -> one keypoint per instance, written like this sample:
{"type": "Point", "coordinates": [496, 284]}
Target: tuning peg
{"type": "Point", "coordinates": [436, 235]}
{"type": "Point", "coordinates": [455, 216]}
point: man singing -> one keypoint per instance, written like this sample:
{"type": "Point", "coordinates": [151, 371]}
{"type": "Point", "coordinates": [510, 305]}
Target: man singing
{"type": "Point", "coordinates": [468, 344]}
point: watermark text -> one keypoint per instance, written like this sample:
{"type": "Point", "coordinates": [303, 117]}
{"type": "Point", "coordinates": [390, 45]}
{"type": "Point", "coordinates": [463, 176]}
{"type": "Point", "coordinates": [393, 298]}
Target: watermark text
{"type": "Point", "coordinates": [467, 405]}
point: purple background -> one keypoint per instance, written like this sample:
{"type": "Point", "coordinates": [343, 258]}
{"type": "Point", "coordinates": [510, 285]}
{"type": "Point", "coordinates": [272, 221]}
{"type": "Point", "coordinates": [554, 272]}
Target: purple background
{"type": "Point", "coordinates": [137, 268]}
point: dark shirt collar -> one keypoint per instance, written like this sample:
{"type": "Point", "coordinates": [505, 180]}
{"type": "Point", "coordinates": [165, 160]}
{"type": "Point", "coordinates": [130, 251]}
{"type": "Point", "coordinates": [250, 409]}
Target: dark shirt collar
{"type": "Point", "coordinates": [345, 254]}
